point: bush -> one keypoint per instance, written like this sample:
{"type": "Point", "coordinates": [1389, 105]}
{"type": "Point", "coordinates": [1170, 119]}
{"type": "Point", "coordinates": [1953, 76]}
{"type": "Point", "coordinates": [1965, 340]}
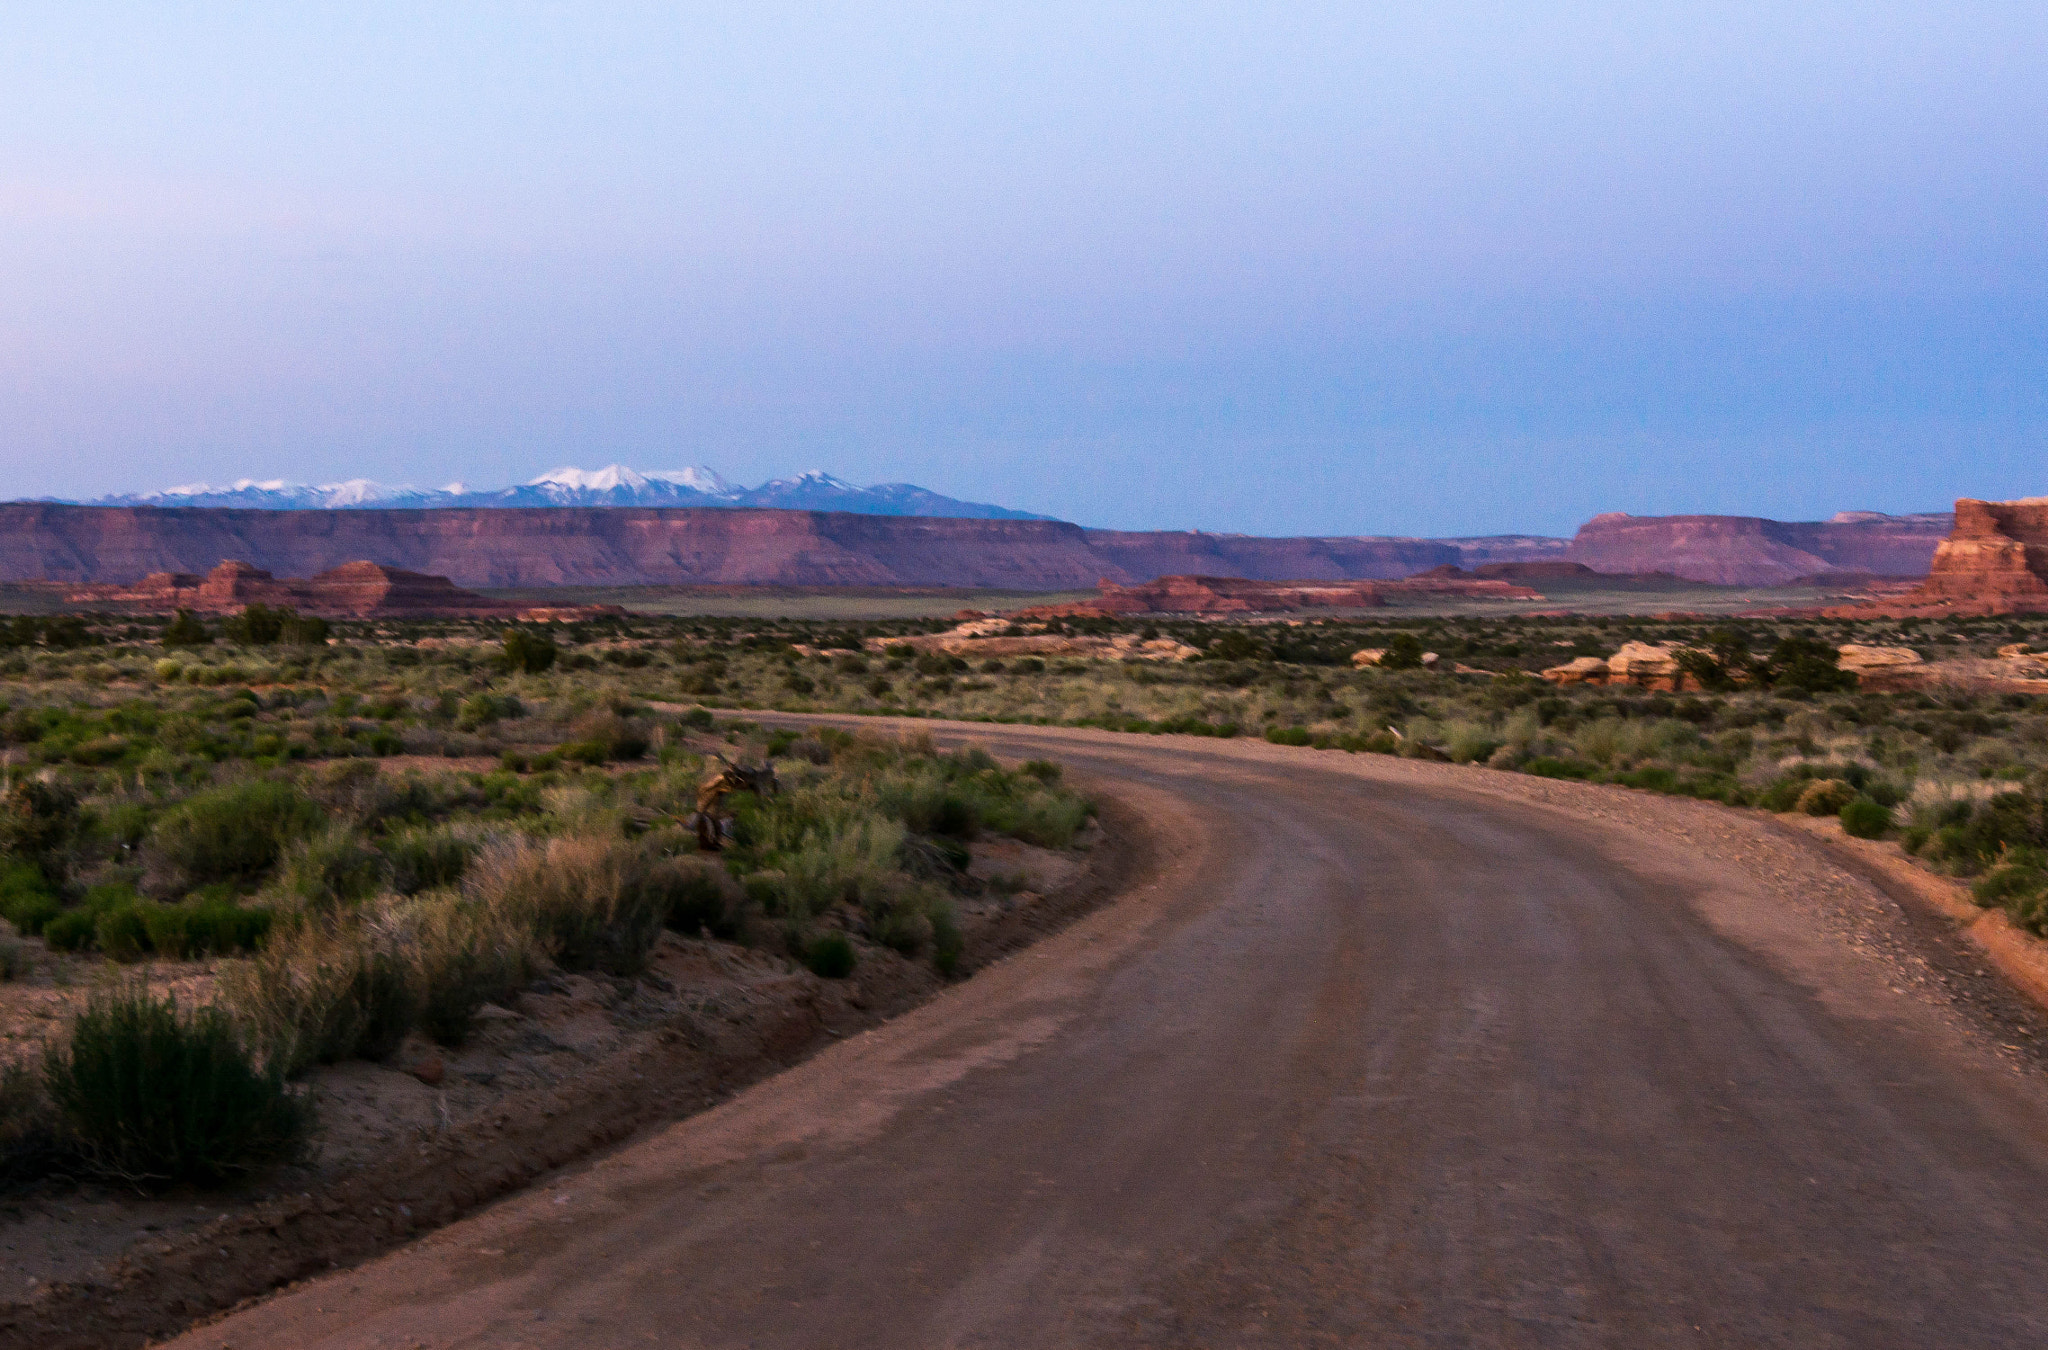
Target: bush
{"type": "Point", "coordinates": [185, 630]}
{"type": "Point", "coordinates": [1403, 652]}
{"type": "Point", "coordinates": [702, 897]}
{"type": "Point", "coordinates": [1783, 795]}
{"type": "Point", "coordinates": [326, 992]}
{"type": "Point", "coordinates": [122, 934]}
{"type": "Point", "coordinates": [527, 652]}
{"type": "Point", "coordinates": [1545, 766]}
{"type": "Point", "coordinates": [37, 821]}
{"type": "Point", "coordinates": [593, 904]}
{"type": "Point", "coordinates": [152, 1095]}
{"type": "Point", "coordinates": [947, 944]}
{"type": "Point", "coordinates": [214, 926]}
{"type": "Point", "coordinates": [71, 931]}
{"type": "Point", "coordinates": [25, 897]}
{"type": "Point", "coordinates": [1866, 819]}
{"type": "Point", "coordinates": [234, 833]}
{"type": "Point", "coordinates": [331, 869]}
{"type": "Point", "coordinates": [2020, 887]}
{"type": "Point", "coordinates": [427, 859]}
{"type": "Point", "coordinates": [1825, 797]}
{"type": "Point", "coordinates": [1287, 735]}
{"type": "Point", "coordinates": [463, 955]}
{"type": "Point", "coordinates": [830, 956]}
{"type": "Point", "coordinates": [1044, 770]}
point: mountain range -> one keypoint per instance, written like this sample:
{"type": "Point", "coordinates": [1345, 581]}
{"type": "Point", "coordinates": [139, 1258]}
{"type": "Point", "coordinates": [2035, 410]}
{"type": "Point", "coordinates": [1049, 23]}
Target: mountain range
{"type": "Point", "coordinates": [613, 485]}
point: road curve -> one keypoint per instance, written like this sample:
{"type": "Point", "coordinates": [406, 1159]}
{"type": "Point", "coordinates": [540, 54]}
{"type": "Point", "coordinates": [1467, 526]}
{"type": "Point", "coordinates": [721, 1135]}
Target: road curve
{"type": "Point", "coordinates": [1381, 1054]}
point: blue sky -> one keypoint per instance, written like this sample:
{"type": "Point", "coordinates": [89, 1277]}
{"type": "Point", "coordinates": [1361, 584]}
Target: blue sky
{"type": "Point", "coordinates": [1433, 269]}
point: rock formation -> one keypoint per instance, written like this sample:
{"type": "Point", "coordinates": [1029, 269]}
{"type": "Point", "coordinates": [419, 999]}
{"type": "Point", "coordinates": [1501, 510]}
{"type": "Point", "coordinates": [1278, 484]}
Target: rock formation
{"type": "Point", "coordinates": [1002, 637]}
{"type": "Point", "coordinates": [636, 546]}
{"type": "Point", "coordinates": [1994, 562]}
{"type": "Point", "coordinates": [357, 590]}
{"type": "Point", "coordinates": [1751, 551]}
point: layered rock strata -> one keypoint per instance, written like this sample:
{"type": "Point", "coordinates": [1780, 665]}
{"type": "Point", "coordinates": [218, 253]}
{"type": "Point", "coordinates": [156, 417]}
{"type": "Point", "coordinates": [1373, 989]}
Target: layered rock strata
{"type": "Point", "coordinates": [1995, 561]}
{"type": "Point", "coordinates": [356, 590]}
{"type": "Point", "coordinates": [1752, 551]}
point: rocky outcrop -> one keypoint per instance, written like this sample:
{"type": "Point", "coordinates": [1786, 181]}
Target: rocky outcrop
{"type": "Point", "coordinates": [1752, 551]}
{"type": "Point", "coordinates": [1002, 638]}
{"type": "Point", "coordinates": [357, 590]}
{"type": "Point", "coordinates": [1995, 561]}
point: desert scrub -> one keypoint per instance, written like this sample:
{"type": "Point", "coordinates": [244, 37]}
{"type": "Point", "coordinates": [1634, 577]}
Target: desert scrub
{"type": "Point", "coordinates": [460, 955]}
{"type": "Point", "coordinates": [234, 833]}
{"type": "Point", "coordinates": [591, 903]}
{"type": "Point", "coordinates": [151, 1094]}
{"type": "Point", "coordinates": [326, 991]}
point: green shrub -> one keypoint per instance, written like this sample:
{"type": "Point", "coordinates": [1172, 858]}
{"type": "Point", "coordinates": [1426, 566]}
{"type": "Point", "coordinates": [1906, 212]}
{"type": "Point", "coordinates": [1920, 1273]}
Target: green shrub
{"type": "Point", "coordinates": [947, 943]}
{"type": "Point", "coordinates": [25, 897]}
{"type": "Point", "coordinates": [1783, 795]}
{"type": "Point", "coordinates": [331, 869]}
{"type": "Point", "coordinates": [1866, 819]}
{"type": "Point", "coordinates": [1403, 652]}
{"type": "Point", "coordinates": [71, 931]}
{"type": "Point", "coordinates": [463, 956]}
{"type": "Point", "coordinates": [234, 833]}
{"type": "Point", "coordinates": [185, 630]}
{"type": "Point", "coordinates": [526, 651]}
{"type": "Point", "coordinates": [122, 934]}
{"type": "Point", "coordinates": [1287, 735]}
{"type": "Point", "coordinates": [592, 903]}
{"type": "Point", "coordinates": [427, 859]}
{"type": "Point", "coordinates": [1545, 766]}
{"type": "Point", "coordinates": [702, 897]}
{"type": "Point", "coordinates": [326, 991]}
{"type": "Point", "coordinates": [830, 956]}
{"type": "Point", "coordinates": [155, 1096]}
{"type": "Point", "coordinates": [37, 821]}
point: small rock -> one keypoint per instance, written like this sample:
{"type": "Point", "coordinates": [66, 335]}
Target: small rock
{"type": "Point", "coordinates": [430, 1071]}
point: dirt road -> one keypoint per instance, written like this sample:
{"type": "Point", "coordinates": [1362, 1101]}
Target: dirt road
{"type": "Point", "coordinates": [1383, 1054]}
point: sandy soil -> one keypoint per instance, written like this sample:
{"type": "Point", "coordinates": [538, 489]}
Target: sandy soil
{"type": "Point", "coordinates": [576, 1063]}
{"type": "Point", "coordinates": [1379, 1052]}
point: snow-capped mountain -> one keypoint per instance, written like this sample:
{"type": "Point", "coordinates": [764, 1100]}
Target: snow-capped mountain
{"type": "Point", "coordinates": [613, 485]}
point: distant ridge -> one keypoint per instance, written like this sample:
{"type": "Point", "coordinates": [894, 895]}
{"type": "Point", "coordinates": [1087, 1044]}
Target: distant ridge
{"type": "Point", "coordinates": [731, 544]}
{"type": "Point", "coordinates": [613, 485]}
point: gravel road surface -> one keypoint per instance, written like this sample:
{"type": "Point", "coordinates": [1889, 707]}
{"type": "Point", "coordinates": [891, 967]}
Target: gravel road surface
{"type": "Point", "coordinates": [1377, 1053]}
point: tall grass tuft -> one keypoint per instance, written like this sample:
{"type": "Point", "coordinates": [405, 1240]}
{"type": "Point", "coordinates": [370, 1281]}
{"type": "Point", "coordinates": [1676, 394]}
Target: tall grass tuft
{"type": "Point", "coordinates": [592, 903]}
{"type": "Point", "coordinates": [154, 1095]}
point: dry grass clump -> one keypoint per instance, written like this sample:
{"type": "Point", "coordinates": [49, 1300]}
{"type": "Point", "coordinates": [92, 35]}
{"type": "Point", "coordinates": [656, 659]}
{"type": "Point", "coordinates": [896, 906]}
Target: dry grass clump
{"type": "Point", "coordinates": [590, 903]}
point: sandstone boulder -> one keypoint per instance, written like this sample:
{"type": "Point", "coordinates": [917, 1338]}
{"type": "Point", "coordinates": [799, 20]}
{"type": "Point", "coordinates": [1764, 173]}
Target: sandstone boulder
{"type": "Point", "coordinates": [1857, 658]}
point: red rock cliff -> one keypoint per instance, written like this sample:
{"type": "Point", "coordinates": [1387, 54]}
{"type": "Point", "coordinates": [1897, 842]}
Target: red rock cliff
{"type": "Point", "coordinates": [634, 546]}
{"type": "Point", "coordinates": [1995, 562]}
{"type": "Point", "coordinates": [1752, 551]}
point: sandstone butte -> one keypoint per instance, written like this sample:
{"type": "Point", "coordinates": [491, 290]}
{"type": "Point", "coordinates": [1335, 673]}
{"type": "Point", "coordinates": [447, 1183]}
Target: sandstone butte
{"type": "Point", "coordinates": [631, 546]}
{"type": "Point", "coordinates": [356, 590]}
{"type": "Point", "coordinates": [1995, 561]}
{"type": "Point", "coordinates": [1751, 551]}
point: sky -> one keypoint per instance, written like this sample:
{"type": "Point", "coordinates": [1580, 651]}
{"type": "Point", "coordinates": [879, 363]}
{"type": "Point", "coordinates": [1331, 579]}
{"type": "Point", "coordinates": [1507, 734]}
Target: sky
{"type": "Point", "coordinates": [1437, 269]}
